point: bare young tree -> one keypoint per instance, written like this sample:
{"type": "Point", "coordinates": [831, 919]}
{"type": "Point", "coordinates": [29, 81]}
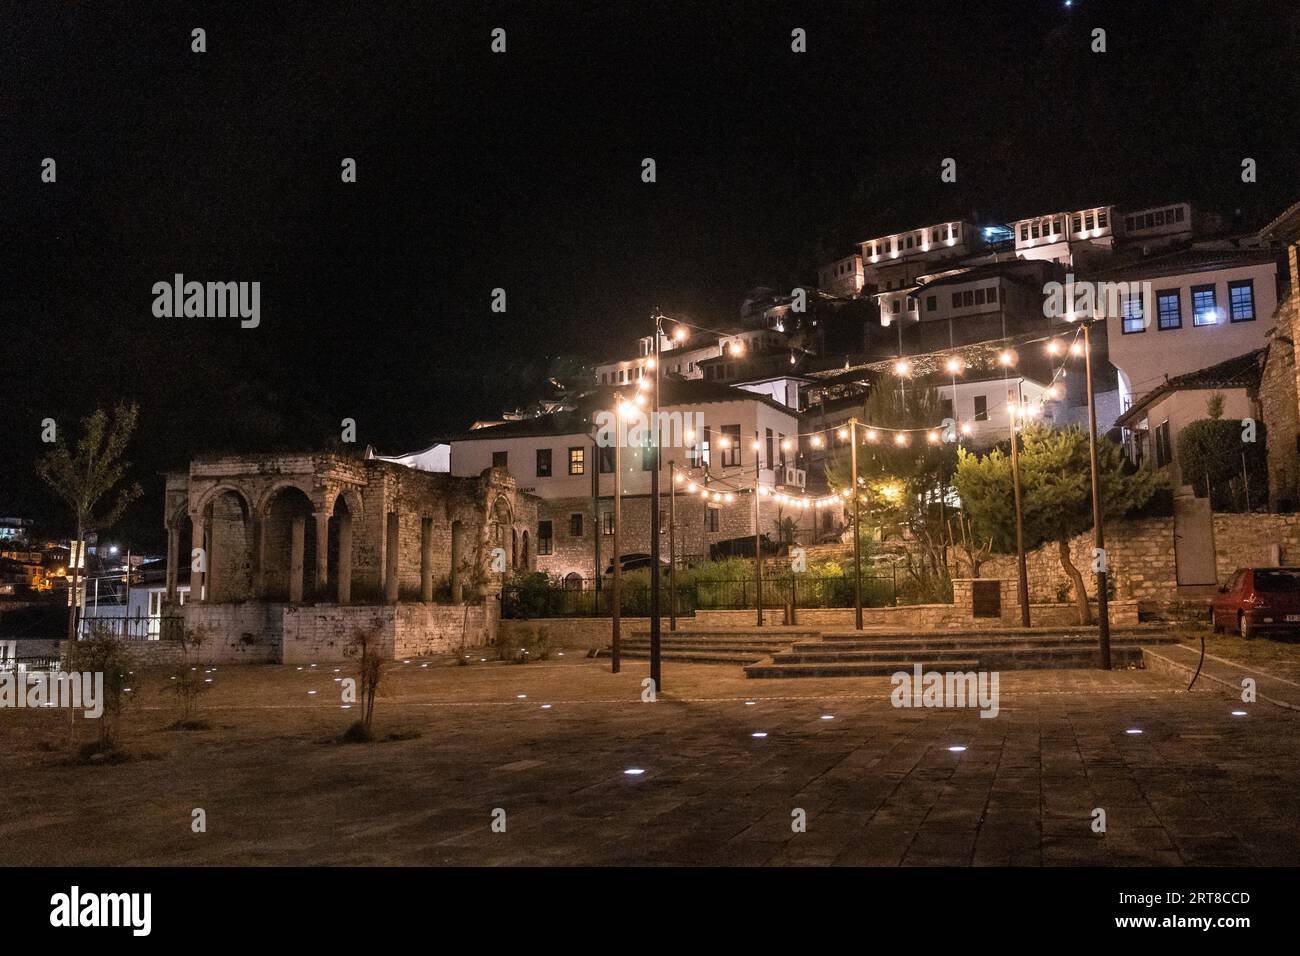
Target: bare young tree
{"type": "Point", "coordinates": [364, 646]}
{"type": "Point", "coordinates": [85, 476]}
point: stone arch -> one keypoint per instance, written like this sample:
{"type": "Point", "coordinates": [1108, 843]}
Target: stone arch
{"type": "Point", "coordinates": [223, 488]}
{"type": "Point", "coordinates": [229, 540]}
{"type": "Point", "coordinates": [339, 544]}
{"type": "Point", "coordinates": [264, 502]}
{"type": "Point", "coordinates": [289, 548]}
{"type": "Point", "coordinates": [501, 530]}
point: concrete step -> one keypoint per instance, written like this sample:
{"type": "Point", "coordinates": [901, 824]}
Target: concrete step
{"type": "Point", "coordinates": [988, 657]}
{"type": "Point", "coordinates": [986, 632]}
{"type": "Point", "coordinates": [752, 651]}
{"type": "Point", "coordinates": [769, 669]}
{"type": "Point", "coordinates": [788, 633]}
{"type": "Point", "coordinates": [922, 644]}
{"type": "Point", "coordinates": [692, 657]}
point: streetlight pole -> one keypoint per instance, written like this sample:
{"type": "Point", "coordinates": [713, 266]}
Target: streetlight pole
{"type": "Point", "coordinates": [758, 534]}
{"type": "Point", "coordinates": [1098, 535]}
{"type": "Point", "coordinates": [655, 662]}
{"type": "Point", "coordinates": [857, 525]}
{"type": "Point", "coordinates": [617, 597]}
{"type": "Point", "coordinates": [672, 545]}
{"type": "Point", "coordinates": [1022, 589]}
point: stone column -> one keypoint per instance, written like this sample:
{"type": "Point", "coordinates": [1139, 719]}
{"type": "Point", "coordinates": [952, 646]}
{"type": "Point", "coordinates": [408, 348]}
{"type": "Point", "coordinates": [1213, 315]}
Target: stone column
{"type": "Point", "coordinates": [259, 558]}
{"type": "Point", "coordinates": [322, 554]}
{"type": "Point", "coordinates": [212, 580]}
{"type": "Point", "coordinates": [426, 560]}
{"type": "Point", "coordinates": [173, 559]}
{"type": "Point", "coordinates": [457, 535]}
{"type": "Point", "coordinates": [198, 544]}
{"type": "Point", "coordinates": [297, 547]}
{"type": "Point", "coordinates": [345, 558]}
{"type": "Point", "coordinates": [390, 559]}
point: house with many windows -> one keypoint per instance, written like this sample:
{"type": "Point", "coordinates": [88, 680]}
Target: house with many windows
{"type": "Point", "coordinates": [1186, 310]}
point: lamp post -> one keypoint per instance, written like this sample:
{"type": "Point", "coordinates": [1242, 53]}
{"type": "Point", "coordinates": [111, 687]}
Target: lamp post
{"type": "Point", "coordinates": [672, 545]}
{"type": "Point", "coordinates": [1022, 575]}
{"type": "Point", "coordinates": [857, 527]}
{"type": "Point", "coordinates": [655, 662]}
{"type": "Point", "coordinates": [1098, 535]}
{"type": "Point", "coordinates": [758, 533]}
{"type": "Point", "coordinates": [616, 597]}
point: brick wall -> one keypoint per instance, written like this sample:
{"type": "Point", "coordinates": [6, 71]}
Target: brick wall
{"type": "Point", "coordinates": [321, 632]}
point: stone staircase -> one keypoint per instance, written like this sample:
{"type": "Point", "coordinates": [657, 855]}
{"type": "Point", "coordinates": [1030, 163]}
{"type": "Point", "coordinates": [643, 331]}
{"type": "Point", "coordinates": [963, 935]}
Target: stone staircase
{"type": "Point", "coordinates": [881, 653]}
{"type": "Point", "coordinates": [716, 645]}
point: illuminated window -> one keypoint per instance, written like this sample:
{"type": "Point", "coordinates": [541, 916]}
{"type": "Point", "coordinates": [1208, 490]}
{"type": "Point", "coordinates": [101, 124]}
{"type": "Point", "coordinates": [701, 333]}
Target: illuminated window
{"type": "Point", "coordinates": [577, 461]}
{"type": "Point", "coordinates": [1241, 300]}
{"type": "Point", "coordinates": [1204, 306]}
{"type": "Point", "coordinates": [1169, 309]}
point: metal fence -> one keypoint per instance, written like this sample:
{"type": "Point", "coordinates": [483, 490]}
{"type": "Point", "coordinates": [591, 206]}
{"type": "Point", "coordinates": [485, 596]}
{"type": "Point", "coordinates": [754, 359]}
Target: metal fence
{"type": "Point", "coordinates": [137, 628]}
{"type": "Point", "coordinates": [593, 598]}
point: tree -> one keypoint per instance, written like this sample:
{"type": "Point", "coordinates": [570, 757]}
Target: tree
{"type": "Point", "coordinates": [1217, 461]}
{"type": "Point", "coordinates": [84, 477]}
{"type": "Point", "coordinates": [904, 487]}
{"type": "Point", "coordinates": [364, 646]}
{"type": "Point", "coordinates": [1056, 493]}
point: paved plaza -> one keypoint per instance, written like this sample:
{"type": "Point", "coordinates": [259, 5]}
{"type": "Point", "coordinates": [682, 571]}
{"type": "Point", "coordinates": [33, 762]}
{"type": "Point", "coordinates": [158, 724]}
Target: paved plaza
{"type": "Point", "coordinates": [551, 744]}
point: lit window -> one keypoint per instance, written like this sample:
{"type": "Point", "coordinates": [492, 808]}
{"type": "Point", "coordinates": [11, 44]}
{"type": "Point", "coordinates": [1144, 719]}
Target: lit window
{"type": "Point", "coordinates": [1204, 307]}
{"type": "Point", "coordinates": [1241, 300]}
{"type": "Point", "coordinates": [1169, 309]}
{"type": "Point", "coordinates": [577, 461]}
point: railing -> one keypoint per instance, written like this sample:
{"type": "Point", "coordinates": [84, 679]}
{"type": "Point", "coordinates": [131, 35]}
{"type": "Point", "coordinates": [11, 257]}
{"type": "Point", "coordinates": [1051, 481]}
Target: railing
{"type": "Point", "coordinates": [137, 628]}
{"type": "Point", "coordinates": [588, 600]}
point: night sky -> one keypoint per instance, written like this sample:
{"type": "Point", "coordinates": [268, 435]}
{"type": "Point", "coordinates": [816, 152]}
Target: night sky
{"type": "Point", "coordinates": [523, 171]}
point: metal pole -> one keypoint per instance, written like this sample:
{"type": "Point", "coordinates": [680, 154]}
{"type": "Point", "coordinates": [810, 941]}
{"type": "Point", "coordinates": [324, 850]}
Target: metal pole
{"type": "Point", "coordinates": [672, 545]}
{"type": "Point", "coordinates": [758, 536]}
{"type": "Point", "coordinates": [1022, 589]}
{"type": "Point", "coordinates": [655, 662]}
{"type": "Point", "coordinates": [857, 526]}
{"type": "Point", "coordinates": [617, 597]}
{"type": "Point", "coordinates": [596, 523]}
{"type": "Point", "coordinates": [1098, 535]}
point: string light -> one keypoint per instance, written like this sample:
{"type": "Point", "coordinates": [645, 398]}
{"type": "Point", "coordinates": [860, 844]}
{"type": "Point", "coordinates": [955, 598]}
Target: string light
{"type": "Point", "coordinates": [954, 365]}
{"type": "Point", "coordinates": [902, 367]}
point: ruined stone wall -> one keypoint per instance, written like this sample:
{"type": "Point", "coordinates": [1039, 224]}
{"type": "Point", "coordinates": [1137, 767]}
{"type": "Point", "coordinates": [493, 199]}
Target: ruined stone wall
{"type": "Point", "coordinates": [248, 632]}
{"type": "Point", "coordinates": [1281, 415]}
{"type": "Point", "coordinates": [1245, 540]}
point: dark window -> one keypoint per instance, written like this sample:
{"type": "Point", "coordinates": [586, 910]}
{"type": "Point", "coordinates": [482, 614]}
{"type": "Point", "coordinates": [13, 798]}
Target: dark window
{"type": "Point", "coordinates": [731, 454]}
{"type": "Point", "coordinates": [945, 407]}
{"type": "Point", "coordinates": [1132, 314]}
{"type": "Point", "coordinates": [981, 408]}
{"type": "Point", "coordinates": [1102, 219]}
{"type": "Point", "coordinates": [577, 461]}
{"type": "Point", "coordinates": [544, 537]}
{"type": "Point", "coordinates": [968, 297]}
{"type": "Point", "coordinates": [647, 457]}
{"type": "Point", "coordinates": [608, 519]}
{"type": "Point", "coordinates": [931, 303]}
{"type": "Point", "coordinates": [1178, 214]}
{"type": "Point", "coordinates": [956, 300]}
{"type": "Point", "coordinates": [543, 463]}
{"type": "Point", "coordinates": [1169, 309]}
{"type": "Point", "coordinates": [1164, 450]}
{"type": "Point", "coordinates": [1204, 308]}
{"type": "Point", "coordinates": [1241, 300]}
{"type": "Point", "coordinates": [606, 461]}
{"type": "Point", "coordinates": [1277, 579]}
{"type": "Point", "coordinates": [1024, 232]}
{"type": "Point", "coordinates": [710, 519]}
{"type": "Point", "coordinates": [1076, 224]}
{"type": "Point", "coordinates": [979, 296]}
{"type": "Point", "coordinates": [575, 525]}
{"type": "Point", "coordinates": [500, 459]}
{"type": "Point", "coordinates": [769, 459]}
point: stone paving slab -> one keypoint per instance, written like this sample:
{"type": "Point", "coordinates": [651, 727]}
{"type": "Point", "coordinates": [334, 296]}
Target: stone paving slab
{"type": "Point", "coordinates": [878, 785]}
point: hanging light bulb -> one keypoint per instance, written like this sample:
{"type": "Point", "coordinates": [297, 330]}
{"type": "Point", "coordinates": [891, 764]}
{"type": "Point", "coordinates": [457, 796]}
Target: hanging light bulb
{"type": "Point", "coordinates": [1007, 357]}
{"type": "Point", "coordinates": [1054, 347]}
{"type": "Point", "coordinates": [873, 435]}
{"type": "Point", "coordinates": [966, 428]}
{"type": "Point", "coordinates": [900, 439]}
{"type": "Point", "coordinates": [933, 438]}
{"type": "Point", "coordinates": [842, 434]}
{"type": "Point", "coordinates": [1076, 348]}
{"type": "Point", "coordinates": [954, 365]}
{"type": "Point", "coordinates": [692, 488]}
{"type": "Point", "coordinates": [817, 441]}
{"type": "Point", "coordinates": [902, 367]}
{"type": "Point", "coordinates": [680, 333]}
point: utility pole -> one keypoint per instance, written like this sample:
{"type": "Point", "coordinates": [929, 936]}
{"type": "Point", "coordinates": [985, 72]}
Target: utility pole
{"type": "Point", "coordinates": [857, 526]}
{"type": "Point", "coordinates": [758, 534]}
{"type": "Point", "coordinates": [655, 661]}
{"type": "Point", "coordinates": [1098, 535]}
{"type": "Point", "coordinates": [1022, 574]}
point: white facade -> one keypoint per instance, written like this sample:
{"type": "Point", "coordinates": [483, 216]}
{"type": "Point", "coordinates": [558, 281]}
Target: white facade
{"type": "Point", "coordinates": [983, 409]}
{"type": "Point", "coordinates": [1201, 330]}
{"type": "Point", "coordinates": [693, 435]}
{"type": "Point", "coordinates": [1060, 236]}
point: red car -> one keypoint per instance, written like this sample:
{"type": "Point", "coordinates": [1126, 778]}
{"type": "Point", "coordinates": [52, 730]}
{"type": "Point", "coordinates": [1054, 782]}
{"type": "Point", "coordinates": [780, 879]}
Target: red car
{"type": "Point", "coordinates": [1256, 600]}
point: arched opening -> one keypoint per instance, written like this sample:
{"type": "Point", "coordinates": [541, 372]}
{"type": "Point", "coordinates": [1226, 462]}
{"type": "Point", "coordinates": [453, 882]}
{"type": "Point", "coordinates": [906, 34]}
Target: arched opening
{"type": "Point", "coordinates": [573, 581]}
{"type": "Point", "coordinates": [502, 532]}
{"type": "Point", "coordinates": [457, 561]}
{"type": "Point", "coordinates": [229, 541]}
{"type": "Point", "coordinates": [289, 546]}
{"type": "Point", "coordinates": [339, 585]}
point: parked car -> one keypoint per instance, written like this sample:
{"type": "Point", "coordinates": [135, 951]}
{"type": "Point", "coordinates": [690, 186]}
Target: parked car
{"type": "Point", "coordinates": [743, 548]}
{"type": "Point", "coordinates": [1258, 600]}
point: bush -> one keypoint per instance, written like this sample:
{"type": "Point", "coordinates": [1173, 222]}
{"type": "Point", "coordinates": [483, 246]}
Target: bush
{"type": "Point", "coordinates": [103, 652]}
